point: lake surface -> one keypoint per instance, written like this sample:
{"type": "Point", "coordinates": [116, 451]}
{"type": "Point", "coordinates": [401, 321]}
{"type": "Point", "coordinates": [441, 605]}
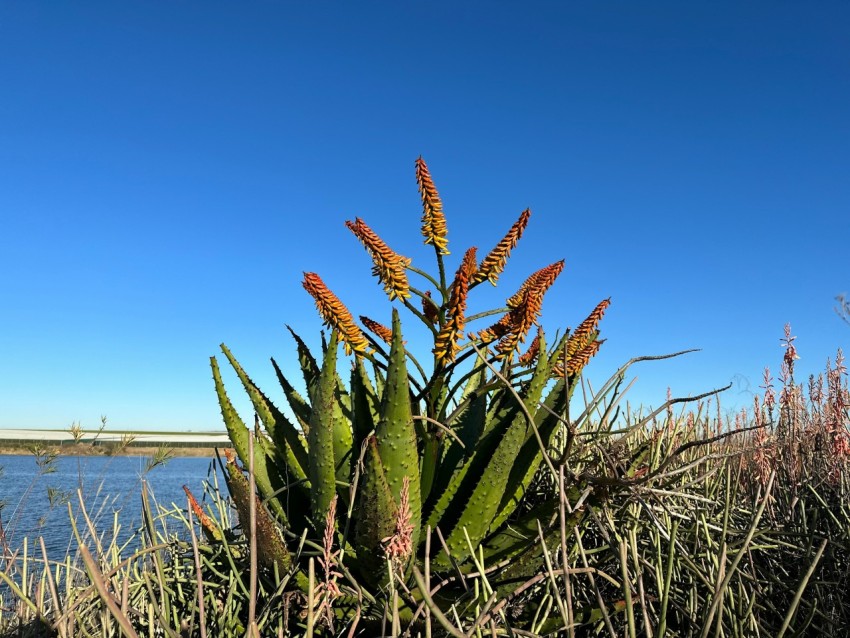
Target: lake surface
{"type": "Point", "coordinates": [35, 503]}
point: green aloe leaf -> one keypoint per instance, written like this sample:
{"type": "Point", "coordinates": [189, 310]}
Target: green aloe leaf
{"type": "Point", "coordinates": [271, 550]}
{"type": "Point", "coordinates": [486, 489]}
{"type": "Point", "coordinates": [340, 407]}
{"type": "Point", "coordinates": [284, 435]}
{"type": "Point", "coordinates": [395, 432]}
{"type": "Point", "coordinates": [365, 405]}
{"type": "Point", "coordinates": [376, 514]}
{"type": "Point", "coordinates": [309, 367]}
{"type": "Point", "coordinates": [321, 438]}
{"type": "Point", "coordinates": [268, 481]}
{"type": "Point", "coordinates": [469, 428]}
{"type": "Point", "coordinates": [298, 404]}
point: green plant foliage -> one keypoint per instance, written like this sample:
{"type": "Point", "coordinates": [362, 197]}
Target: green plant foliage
{"type": "Point", "coordinates": [454, 449]}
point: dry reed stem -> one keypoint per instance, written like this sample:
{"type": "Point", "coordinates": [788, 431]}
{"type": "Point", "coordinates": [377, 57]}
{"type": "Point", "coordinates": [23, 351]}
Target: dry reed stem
{"type": "Point", "coordinates": [199, 578]}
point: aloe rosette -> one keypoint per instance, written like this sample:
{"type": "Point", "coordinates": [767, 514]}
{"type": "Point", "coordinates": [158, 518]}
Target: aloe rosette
{"type": "Point", "coordinates": [407, 451]}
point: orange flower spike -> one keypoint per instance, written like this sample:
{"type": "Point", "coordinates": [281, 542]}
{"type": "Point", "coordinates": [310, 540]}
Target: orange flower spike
{"type": "Point", "coordinates": [525, 306]}
{"type": "Point", "coordinates": [508, 344]}
{"type": "Point", "coordinates": [379, 329]}
{"type": "Point", "coordinates": [583, 357]}
{"type": "Point", "coordinates": [578, 360]}
{"type": "Point", "coordinates": [539, 281]}
{"type": "Point", "coordinates": [445, 345]}
{"type": "Point", "coordinates": [532, 352]}
{"type": "Point", "coordinates": [433, 221]}
{"type": "Point", "coordinates": [586, 328]}
{"type": "Point", "coordinates": [497, 330]}
{"type": "Point", "coordinates": [429, 308]}
{"type": "Point", "coordinates": [335, 314]}
{"type": "Point", "coordinates": [206, 522]}
{"type": "Point", "coordinates": [494, 262]}
{"type": "Point", "coordinates": [390, 267]}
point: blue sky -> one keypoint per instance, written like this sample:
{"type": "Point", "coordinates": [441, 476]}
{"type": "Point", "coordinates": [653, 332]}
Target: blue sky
{"type": "Point", "coordinates": [168, 170]}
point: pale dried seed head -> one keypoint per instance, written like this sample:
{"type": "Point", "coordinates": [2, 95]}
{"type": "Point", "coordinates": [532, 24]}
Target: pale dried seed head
{"type": "Point", "coordinates": [328, 589]}
{"type": "Point", "coordinates": [399, 547]}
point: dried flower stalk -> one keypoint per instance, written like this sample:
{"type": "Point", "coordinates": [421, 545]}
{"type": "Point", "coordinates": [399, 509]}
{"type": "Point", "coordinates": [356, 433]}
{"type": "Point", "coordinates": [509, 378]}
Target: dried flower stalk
{"type": "Point", "coordinates": [399, 547]}
{"type": "Point", "coordinates": [790, 349]}
{"type": "Point", "coordinates": [328, 589]}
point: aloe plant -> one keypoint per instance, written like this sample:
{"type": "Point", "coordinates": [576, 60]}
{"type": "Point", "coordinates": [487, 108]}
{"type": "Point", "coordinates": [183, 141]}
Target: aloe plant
{"type": "Point", "coordinates": [452, 446]}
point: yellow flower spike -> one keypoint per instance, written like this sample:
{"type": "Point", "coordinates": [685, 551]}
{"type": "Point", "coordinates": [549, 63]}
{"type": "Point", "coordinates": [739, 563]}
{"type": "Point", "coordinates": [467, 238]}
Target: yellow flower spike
{"type": "Point", "coordinates": [433, 221]}
{"type": "Point", "coordinates": [335, 314]}
{"type": "Point", "coordinates": [494, 262]}
{"type": "Point", "coordinates": [445, 345]}
{"type": "Point", "coordinates": [389, 267]}
{"type": "Point", "coordinates": [379, 329]}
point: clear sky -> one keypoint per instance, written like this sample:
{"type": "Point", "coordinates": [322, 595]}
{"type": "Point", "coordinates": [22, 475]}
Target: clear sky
{"type": "Point", "coordinates": [169, 169]}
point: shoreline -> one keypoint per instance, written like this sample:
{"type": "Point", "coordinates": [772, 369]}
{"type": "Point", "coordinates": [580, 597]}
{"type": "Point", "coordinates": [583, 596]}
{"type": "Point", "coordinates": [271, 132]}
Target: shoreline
{"type": "Point", "coordinates": [85, 449]}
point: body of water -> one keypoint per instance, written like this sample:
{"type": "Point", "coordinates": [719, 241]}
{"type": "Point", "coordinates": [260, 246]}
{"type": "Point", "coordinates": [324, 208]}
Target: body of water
{"type": "Point", "coordinates": [35, 498]}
